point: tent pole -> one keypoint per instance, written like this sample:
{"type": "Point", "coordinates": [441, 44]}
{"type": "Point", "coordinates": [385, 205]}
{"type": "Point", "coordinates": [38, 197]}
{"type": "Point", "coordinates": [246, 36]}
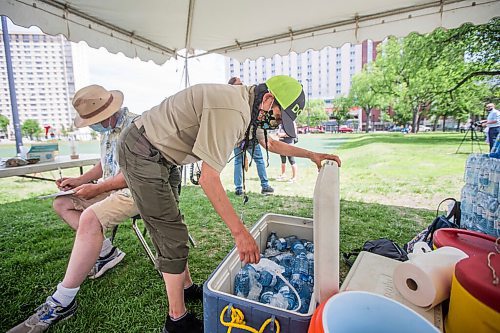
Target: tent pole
{"type": "Point", "coordinates": [12, 87]}
{"type": "Point", "coordinates": [186, 79]}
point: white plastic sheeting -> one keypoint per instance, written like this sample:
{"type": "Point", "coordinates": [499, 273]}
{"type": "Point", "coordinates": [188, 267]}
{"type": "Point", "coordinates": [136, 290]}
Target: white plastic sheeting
{"type": "Point", "coordinates": [157, 29]}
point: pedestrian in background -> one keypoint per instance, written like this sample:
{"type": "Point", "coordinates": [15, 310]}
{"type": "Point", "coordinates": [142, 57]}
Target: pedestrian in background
{"type": "Point", "coordinates": [492, 123]}
{"type": "Point", "coordinates": [283, 137]}
{"type": "Point", "coordinates": [241, 161]}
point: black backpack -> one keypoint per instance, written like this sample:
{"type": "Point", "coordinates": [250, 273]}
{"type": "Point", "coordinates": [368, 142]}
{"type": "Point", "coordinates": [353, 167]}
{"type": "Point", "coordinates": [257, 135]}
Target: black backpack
{"type": "Point", "coordinates": [441, 221]}
{"type": "Point", "coordinates": [382, 246]}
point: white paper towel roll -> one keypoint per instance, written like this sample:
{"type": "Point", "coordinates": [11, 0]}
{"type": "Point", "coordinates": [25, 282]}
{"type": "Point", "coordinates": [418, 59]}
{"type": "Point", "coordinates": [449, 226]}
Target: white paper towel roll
{"type": "Point", "coordinates": [425, 280]}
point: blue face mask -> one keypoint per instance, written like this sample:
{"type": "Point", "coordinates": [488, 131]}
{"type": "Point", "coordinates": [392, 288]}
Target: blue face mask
{"type": "Point", "coordinates": [99, 128]}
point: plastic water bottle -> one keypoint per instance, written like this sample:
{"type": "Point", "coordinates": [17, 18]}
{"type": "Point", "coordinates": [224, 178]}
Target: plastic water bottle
{"type": "Point", "coordinates": [281, 244]}
{"type": "Point", "coordinates": [279, 284]}
{"type": "Point", "coordinates": [297, 247]}
{"type": "Point", "coordinates": [266, 278]}
{"type": "Point", "coordinates": [495, 178]}
{"type": "Point", "coordinates": [484, 176]}
{"type": "Point", "coordinates": [270, 252]}
{"type": "Point", "coordinates": [287, 262]}
{"type": "Point", "coordinates": [289, 241]}
{"type": "Point", "coordinates": [305, 294]}
{"type": "Point", "coordinates": [309, 247]}
{"type": "Point", "coordinates": [303, 290]}
{"type": "Point", "coordinates": [242, 283]}
{"type": "Point", "coordinates": [495, 150]}
{"type": "Point", "coordinates": [301, 266]}
{"type": "Point", "coordinates": [276, 258]}
{"type": "Point", "coordinates": [266, 297]}
{"type": "Point", "coordinates": [271, 240]}
{"type": "Point", "coordinates": [255, 287]}
{"type": "Point", "coordinates": [310, 260]}
{"type": "Point", "coordinates": [288, 295]}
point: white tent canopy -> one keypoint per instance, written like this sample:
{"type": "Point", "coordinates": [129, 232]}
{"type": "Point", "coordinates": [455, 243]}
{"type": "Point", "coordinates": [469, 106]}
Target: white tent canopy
{"type": "Point", "coordinates": [158, 29]}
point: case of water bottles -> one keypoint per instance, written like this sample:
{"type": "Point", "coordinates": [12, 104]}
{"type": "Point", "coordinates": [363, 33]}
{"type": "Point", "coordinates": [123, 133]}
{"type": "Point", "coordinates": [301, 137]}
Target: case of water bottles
{"type": "Point", "coordinates": [480, 199]}
{"type": "Point", "coordinates": [218, 290]}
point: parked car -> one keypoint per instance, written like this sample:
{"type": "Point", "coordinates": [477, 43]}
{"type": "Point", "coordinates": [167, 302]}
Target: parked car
{"type": "Point", "coordinates": [424, 128]}
{"type": "Point", "coordinates": [317, 129]}
{"type": "Point", "coordinates": [396, 129]}
{"type": "Point", "coordinates": [302, 130]}
{"type": "Point", "coordinates": [345, 129]}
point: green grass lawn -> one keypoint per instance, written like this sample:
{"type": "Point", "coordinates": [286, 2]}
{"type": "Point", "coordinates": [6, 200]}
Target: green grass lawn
{"type": "Point", "coordinates": [384, 178]}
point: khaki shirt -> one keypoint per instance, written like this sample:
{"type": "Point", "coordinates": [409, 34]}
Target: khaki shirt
{"type": "Point", "coordinates": [203, 122]}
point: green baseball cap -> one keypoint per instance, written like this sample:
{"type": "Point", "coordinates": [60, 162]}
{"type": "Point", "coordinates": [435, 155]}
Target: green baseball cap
{"type": "Point", "coordinates": [289, 93]}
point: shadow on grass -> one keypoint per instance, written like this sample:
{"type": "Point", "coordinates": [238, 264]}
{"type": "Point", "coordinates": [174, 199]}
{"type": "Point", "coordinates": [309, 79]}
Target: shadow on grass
{"type": "Point", "coordinates": [410, 139]}
{"type": "Point", "coordinates": [35, 247]}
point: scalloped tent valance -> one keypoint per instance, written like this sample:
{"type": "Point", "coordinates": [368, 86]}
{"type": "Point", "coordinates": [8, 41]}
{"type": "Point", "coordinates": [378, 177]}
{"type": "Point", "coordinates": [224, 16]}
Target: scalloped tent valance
{"type": "Point", "coordinates": [157, 29]}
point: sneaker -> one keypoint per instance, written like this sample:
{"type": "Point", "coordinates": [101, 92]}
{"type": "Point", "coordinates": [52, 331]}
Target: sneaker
{"type": "Point", "coordinates": [106, 263]}
{"type": "Point", "coordinates": [267, 191]}
{"type": "Point", "coordinates": [46, 315]}
{"type": "Point", "coordinates": [238, 192]}
{"type": "Point", "coordinates": [281, 178]}
{"type": "Point", "coordinates": [292, 180]}
{"type": "Point", "coordinates": [188, 324]}
{"type": "Point", "coordinates": [193, 293]}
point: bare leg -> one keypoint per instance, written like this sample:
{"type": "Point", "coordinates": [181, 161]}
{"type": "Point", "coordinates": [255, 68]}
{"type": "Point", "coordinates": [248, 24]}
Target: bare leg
{"type": "Point", "coordinates": [283, 169]}
{"type": "Point", "coordinates": [187, 279]}
{"type": "Point", "coordinates": [65, 208]}
{"type": "Point", "coordinates": [175, 293]}
{"type": "Point", "coordinates": [294, 171]}
{"type": "Point", "coordinates": [88, 243]}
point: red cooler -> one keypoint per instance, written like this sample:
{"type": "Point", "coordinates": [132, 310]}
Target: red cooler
{"type": "Point", "coordinates": [474, 298]}
{"type": "Point", "coordinates": [471, 242]}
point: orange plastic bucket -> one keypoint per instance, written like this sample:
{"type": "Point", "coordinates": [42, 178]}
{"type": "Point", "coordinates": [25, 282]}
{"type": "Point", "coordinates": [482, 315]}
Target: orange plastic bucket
{"type": "Point", "coordinates": [316, 324]}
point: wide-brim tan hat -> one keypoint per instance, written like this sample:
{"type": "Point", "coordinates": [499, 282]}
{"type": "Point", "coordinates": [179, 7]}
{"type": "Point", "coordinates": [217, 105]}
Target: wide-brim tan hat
{"type": "Point", "coordinates": [95, 104]}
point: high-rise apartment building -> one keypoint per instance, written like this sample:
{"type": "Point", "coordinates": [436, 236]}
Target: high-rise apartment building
{"type": "Point", "coordinates": [325, 74]}
{"type": "Point", "coordinates": [43, 68]}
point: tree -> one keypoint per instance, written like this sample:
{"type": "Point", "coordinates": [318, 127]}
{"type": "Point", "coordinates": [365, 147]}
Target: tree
{"type": "Point", "coordinates": [313, 114]}
{"type": "Point", "coordinates": [342, 106]}
{"type": "Point", "coordinates": [4, 122]}
{"type": "Point", "coordinates": [466, 102]}
{"type": "Point", "coordinates": [421, 72]}
{"type": "Point", "coordinates": [385, 117]}
{"type": "Point", "coordinates": [31, 128]}
{"type": "Point", "coordinates": [362, 93]}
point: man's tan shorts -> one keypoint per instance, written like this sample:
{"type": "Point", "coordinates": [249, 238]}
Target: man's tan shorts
{"type": "Point", "coordinates": [111, 208]}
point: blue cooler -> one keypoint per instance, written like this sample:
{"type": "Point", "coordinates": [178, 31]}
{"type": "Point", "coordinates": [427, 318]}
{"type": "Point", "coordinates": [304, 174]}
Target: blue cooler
{"type": "Point", "coordinates": [219, 303]}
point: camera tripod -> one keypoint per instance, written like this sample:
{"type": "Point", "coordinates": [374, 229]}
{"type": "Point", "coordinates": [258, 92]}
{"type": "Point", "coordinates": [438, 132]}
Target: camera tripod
{"type": "Point", "coordinates": [473, 137]}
